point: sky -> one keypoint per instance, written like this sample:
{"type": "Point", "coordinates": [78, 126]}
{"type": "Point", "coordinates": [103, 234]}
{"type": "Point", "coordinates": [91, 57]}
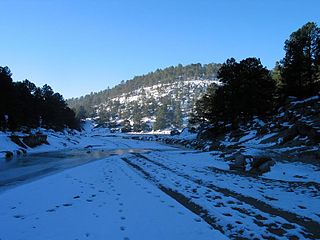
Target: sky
{"type": "Point", "coordinates": [83, 46]}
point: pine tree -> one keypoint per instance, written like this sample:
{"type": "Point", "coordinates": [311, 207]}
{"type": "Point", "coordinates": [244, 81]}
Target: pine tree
{"type": "Point", "coordinates": [247, 89]}
{"type": "Point", "coordinates": [177, 113]}
{"type": "Point", "coordinates": [301, 64]}
{"type": "Point", "coordinates": [161, 117]}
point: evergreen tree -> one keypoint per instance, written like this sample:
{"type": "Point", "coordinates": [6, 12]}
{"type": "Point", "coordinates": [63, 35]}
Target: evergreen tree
{"type": "Point", "coordinates": [247, 89]}
{"type": "Point", "coordinates": [203, 108]}
{"type": "Point", "coordinates": [301, 64]}
{"type": "Point", "coordinates": [161, 117]}
{"type": "Point", "coordinates": [137, 117]}
{"type": "Point", "coordinates": [81, 113]}
{"type": "Point", "coordinates": [22, 104]}
{"type": "Point", "coordinates": [177, 115]}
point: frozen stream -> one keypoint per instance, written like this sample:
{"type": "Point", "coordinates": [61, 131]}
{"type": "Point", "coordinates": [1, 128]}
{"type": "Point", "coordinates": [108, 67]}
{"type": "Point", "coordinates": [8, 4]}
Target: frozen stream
{"type": "Point", "coordinates": [32, 166]}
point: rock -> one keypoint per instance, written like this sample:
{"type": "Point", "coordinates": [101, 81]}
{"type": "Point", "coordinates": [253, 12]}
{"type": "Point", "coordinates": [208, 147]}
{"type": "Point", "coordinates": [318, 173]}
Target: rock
{"type": "Point", "coordinates": [9, 155]}
{"type": "Point", "coordinates": [252, 164]}
{"type": "Point", "coordinates": [34, 140]}
{"type": "Point", "coordinates": [258, 161]}
{"type": "Point", "coordinates": [17, 140]}
{"type": "Point", "coordinates": [265, 167]}
{"type": "Point", "coordinates": [306, 130]}
{"type": "Point", "coordinates": [239, 163]}
{"type": "Point", "coordinates": [174, 132]}
{"type": "Point", "coordinates": [289, 134]}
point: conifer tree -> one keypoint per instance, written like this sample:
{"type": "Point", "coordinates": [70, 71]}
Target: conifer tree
{"type": "Point", "coordinates": [301, 64]}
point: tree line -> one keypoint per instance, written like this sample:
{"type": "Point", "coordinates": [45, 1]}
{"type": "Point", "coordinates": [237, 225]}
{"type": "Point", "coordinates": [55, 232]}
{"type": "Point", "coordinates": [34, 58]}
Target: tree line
{"type": "Point", "coordinates": [249, 89]}
{"type": "Point", "coordinates": [84, 106]}
{"type": "Point", "coordinates": [23, 104]}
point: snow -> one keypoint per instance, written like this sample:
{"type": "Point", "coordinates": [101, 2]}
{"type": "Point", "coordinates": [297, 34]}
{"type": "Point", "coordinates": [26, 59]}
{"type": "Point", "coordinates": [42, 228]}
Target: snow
{"type": "Point", "coordinates": [249, 136]}
{"type": "Point", "coordinates": [294, 172]}
{"type": "Point", "coordinates": [305, 100]}
{"type": "Point", "coordinates": [101, 200]}
{"type": "Point", "coordinates": [110, 199]}
{"type": "Point", "coordinates": [185, 135]}
{"type": "Point", "coordinates": [6, 144]}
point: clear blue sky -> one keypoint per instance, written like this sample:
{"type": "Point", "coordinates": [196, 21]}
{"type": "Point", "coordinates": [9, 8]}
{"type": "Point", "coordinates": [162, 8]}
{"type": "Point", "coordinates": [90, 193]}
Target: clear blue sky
{"type": "Point", "coordinates": [79, 46]}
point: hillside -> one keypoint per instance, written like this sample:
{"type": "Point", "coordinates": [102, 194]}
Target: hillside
{"type": "Point", "coordinates": [139, 99]}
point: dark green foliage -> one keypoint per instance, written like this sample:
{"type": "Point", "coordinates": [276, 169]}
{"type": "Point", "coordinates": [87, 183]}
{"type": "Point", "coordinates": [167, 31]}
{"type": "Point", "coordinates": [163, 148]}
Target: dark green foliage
{"type": "Point", "coordinates": [162, 117]}
{"type": "Point", "coordinates": [81, 113]}
{"type": "Point", "coordinates": [203, 108]}
{"type": "Point", "coordinates": [160, 76]}
{"type": "Point", "coordinates": [301, 65]}
{"type": "Point", "coordinates": [23, 104]}
{"type": "Point", "coordinates": [177, 115]}
{"type": "Point", "coordinates": [247, 89]}
{"type": "Point", "coordinates": [126, 126]}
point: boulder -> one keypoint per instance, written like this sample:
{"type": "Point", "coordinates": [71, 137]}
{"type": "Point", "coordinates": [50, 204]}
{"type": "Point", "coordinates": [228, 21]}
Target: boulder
{"type": "Point", "coordinates": [252, 164]}
{"type": "Point", "coordinates": [9, 155]}
{"type": "Point", "coordinates": [174, 132]}
{"type": "Point", "coordinates": [34, 140]}
{"type": "Point", "coordinates": [261, 164]}
{"type": "Point", "coordinates": [239, 163]}
{"type": "Point", "coordinates": [266, 166]}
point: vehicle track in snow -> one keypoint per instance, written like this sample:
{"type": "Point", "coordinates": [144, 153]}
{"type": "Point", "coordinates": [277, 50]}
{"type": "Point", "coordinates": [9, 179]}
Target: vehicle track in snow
{"type": "Point", "coordinates": [197, 195]}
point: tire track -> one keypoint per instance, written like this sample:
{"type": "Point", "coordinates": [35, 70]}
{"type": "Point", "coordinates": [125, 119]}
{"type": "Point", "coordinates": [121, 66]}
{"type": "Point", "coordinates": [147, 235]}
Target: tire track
{"type": "Point", "coordinates": [312, 227]}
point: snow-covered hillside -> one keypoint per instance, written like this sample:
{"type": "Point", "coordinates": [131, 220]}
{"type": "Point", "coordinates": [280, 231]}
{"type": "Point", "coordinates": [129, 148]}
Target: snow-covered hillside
{"type": "Point", "coordinates": [148, 99]}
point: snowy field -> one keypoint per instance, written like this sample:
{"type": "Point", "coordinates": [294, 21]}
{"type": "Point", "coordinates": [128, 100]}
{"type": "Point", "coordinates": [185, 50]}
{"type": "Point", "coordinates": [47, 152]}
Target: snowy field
{"type": "Point", "coordinates": [158, 192]}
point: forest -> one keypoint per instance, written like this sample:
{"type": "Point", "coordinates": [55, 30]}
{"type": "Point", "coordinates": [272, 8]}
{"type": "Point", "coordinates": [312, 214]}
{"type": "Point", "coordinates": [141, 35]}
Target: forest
{"type": "Point", "coordinates": [249, 89]}
{"type": "Point", "coordinates": [24, 105]}
{"type": "Point", "coordinates": [84, 106]}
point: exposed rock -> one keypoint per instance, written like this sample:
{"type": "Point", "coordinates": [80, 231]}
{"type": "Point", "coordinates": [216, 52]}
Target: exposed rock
{"type": "Point", "coordinates": [262, 164]}
{"type": "Point", "coordinates": [17, 140]}
{"type": "Point", "coordinates": [239, 163]}
{"type": "Point", "coordinates": [253, 164]}
{"type": "Point", "coordinates": [174, 132]}
{"type": "Point", "coordinates": [9, 155]}
{"type": "Point", "coordinates": [35, 140]}
{"type": "Point", "coordinates": [306, 130]}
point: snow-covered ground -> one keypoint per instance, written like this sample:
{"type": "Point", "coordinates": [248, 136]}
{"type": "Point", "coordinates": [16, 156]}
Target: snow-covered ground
{"type": "Point", "coordinates": [159, 192]}
{"type": "Point", "coordinates": [100, 200]}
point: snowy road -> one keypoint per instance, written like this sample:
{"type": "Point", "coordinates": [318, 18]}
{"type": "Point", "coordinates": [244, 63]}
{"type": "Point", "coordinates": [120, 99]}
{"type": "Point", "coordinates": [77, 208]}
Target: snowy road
{"type": "Point", "coordinates": [100, 200]}
{"type": "Point", "coordinates": [165, 193]}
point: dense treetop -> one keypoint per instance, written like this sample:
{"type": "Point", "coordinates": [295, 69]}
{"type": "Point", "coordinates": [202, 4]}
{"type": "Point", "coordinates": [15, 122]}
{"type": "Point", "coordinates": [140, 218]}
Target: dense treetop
{"type": "Point", "coordinates": [248, 89]}
{"type": "Point", "coordinates": [300, 68]}
{"type": "Point", "coordinates": [22, 104]}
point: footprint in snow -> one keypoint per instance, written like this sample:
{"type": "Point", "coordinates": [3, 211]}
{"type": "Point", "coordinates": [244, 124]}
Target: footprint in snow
{"type": "Point", "coordinates": [19, 216]}
{"type": "Point", "coordinates": [67, 204]}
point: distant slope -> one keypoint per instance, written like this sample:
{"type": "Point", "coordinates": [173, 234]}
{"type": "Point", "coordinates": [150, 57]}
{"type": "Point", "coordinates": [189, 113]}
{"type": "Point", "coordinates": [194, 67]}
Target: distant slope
{"type": "Point", "coordinates": [173, 85]}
